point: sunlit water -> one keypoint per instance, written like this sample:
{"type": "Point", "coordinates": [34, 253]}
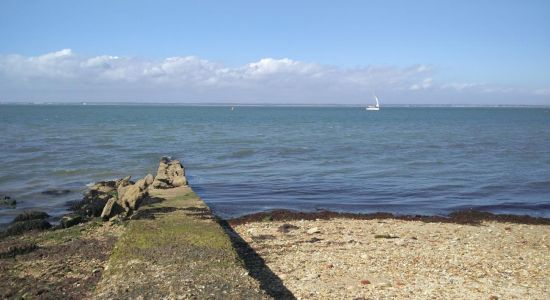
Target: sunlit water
{"type": "Point", "coordinates": [401, 160]}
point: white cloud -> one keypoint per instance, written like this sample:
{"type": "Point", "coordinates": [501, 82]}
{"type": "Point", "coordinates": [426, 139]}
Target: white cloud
{"type": "Point", "coordinates": [482, 88]}
{"type": "Point", "coordinates": [542, 92]}
{"type": "Point", "coordinates": [66, 76]}
{"type": "Point", "coordinates": [424, 84]}
{"type": "Point", "coordinates": [460, 86]}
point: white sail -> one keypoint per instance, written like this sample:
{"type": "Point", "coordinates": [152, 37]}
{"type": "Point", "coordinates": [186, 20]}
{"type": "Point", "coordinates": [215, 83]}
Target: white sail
{"type": "Point", "coordinates": [374, 107]}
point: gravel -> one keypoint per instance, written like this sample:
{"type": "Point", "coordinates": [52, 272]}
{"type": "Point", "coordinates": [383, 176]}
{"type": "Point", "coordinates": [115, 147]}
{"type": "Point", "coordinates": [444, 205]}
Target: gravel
{"type": "Point", "coordinates": [396, 259]}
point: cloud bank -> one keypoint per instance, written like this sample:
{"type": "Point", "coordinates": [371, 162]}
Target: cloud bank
{"type": "Point", "coordinates": [66, 76]}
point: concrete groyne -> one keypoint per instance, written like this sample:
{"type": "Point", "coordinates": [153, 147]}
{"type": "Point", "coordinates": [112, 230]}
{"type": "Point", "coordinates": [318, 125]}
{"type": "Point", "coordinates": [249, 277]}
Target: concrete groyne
{"type": "Point", "coordinates": [174, 248]}
{"type": "Point", "coordinates": [150, 239]}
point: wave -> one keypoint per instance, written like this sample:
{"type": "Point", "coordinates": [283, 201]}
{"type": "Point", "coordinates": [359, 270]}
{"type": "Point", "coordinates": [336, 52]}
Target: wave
{"type": "Point", "coordinates": [420, 163]}
{"type": "Point", "coordinates": [539, 184]}
{"type": "Point", "coordinates": [294, 150]}
{"type": "Point", "coordinates": [70, 172]}
{"type": "Point", "coordinates": [423, 158]}
{"type": "Point", "coordinates": [242, 153]}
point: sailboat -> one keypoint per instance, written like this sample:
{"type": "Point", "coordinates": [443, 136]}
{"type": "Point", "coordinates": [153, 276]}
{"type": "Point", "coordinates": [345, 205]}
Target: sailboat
{"type": "Point", "coordinates": [374, 107]}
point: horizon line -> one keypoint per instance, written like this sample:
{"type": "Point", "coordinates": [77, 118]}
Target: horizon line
{"type": "Point", "coordinates": [228, 104]}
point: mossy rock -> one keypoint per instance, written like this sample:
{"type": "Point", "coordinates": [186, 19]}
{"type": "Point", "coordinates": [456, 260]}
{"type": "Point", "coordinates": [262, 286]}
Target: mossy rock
{"type": "Point", "coordinates": [70, 220]}
{"type": "Point", "coordinates": [31, 215]}
{"type": "Point", "coordinates": [18, 228]}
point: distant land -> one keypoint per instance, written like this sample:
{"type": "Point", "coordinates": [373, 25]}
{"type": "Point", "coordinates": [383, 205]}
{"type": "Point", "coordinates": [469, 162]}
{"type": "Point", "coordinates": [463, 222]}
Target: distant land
{"type": "Point", "coordinates": [228, 104]}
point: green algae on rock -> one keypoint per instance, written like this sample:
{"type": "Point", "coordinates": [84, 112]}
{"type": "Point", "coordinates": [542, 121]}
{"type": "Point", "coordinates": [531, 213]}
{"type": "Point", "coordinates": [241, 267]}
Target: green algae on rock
{"type": "Point", "coordinates": [181, 250]}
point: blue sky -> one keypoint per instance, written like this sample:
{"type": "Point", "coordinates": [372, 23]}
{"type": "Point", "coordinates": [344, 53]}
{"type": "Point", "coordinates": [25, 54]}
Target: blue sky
{"type": "Point", "coordinates": [485, 52]}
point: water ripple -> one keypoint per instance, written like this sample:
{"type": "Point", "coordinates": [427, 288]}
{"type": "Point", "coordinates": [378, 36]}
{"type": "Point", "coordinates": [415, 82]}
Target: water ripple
{"type": "Point", "coordinates": [402, 160]}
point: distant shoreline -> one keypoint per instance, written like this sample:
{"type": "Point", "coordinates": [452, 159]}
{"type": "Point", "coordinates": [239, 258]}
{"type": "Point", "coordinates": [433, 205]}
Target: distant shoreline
{"type": "Point", "coordinates": [328, 105]}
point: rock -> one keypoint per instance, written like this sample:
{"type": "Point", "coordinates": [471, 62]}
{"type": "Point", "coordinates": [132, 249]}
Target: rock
{"type": "Point", "coordinates": [170, 174]}
{"type": "Point", "coordinates": [104, 197]}
{"type": "Point", "coordinates": [111, 208]}
{"type": "Point", "coordinates": [400, 242]}
{"type": "Point", "coordinates": [149, 179]}
{"type": "Point", "coordinates": [7, 201]}
{"type": "Point", "coordinates": [70, 220]}
{"type": "Point", "coordinates": [313, 230]}
{"type": "Point", "coordinates": [122, 185]}
{"type": "Point", "coordinates": [124, 181]}
{"type": "Point", "coordinates": [385, 236]}
{"type": "Point", "coordinates": [133, 195]}
{"type": "Point", "coordinates": [121, 189]}
{"type": "Point", "coordinates": [129, 197]}
{"type": "Point", "coordinates": [349, 239]}
{"type": "Point", "coordinates": [285, 228]}
{"type": "Point", "coordinates": [107, 183]}
{"type": "Point", "coordinates": [383, 284]}
{"type": "Point", "coordinates": [17, 228]}
{"type": "Point", "coordinates": [365, 282]}
{"type": "Point", "coordinates": [56, 192]}
{"type": "Point", "coordinates": [122, 197]}
{"type": "Point", "coordinates": [91, 205]}
{"type": "Point", "coordinates": [179, 181]}
{"type": "Point", "coordinates": [104, 187]}
{"type": "Point", "coordinates": [142, 184]}
{"type": "Point", "coordinates": [96, 198]}
{"type": "Point", "coordinates": [31, 215]}
{"type": "Point", "coordinates": [314, 240]}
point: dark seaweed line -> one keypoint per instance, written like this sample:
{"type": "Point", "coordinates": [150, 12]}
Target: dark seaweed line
{"type": "Point", "coordinates": [470, 217]}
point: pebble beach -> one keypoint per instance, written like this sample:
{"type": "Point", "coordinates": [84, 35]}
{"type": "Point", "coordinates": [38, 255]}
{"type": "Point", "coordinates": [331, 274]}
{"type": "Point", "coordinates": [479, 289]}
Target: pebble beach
{"type": "Point", "coordinates": [397, 259]}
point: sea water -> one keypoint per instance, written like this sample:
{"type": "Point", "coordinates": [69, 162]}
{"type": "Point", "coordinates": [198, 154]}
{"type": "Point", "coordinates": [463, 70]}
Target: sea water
{"type": "Point", "coordinates": [404, 160]}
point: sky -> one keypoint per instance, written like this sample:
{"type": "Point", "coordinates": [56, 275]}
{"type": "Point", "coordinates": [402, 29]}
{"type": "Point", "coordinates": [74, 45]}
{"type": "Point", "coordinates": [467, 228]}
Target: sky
{"type": "Point", "coordinates": [287, 52]}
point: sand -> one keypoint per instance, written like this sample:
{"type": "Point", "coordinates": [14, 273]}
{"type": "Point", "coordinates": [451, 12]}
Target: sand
{"type": "Point", "coordinates": [396, 259]}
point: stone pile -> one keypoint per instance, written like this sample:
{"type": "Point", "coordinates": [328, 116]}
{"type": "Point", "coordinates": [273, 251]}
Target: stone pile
{"type": "Point", "coordinates": [129, 196]}
{"type": "Point", "coordinates": [97, 197]}
{"type": "Point", "coordinates": [170, 174]}
{"type": "Point", "coordinates": [122, 197]}
{"type": "Point", "coordinates": [105, 199]}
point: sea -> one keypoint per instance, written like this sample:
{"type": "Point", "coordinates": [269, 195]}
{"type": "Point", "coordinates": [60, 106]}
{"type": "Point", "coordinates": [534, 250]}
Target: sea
{"type": "Point", "coordinates": [403, 160]}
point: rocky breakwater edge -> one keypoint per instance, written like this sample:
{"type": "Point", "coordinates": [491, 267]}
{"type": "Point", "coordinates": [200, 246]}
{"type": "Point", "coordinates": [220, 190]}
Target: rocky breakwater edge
{"type": "Point", "coordinates": [38, 259]}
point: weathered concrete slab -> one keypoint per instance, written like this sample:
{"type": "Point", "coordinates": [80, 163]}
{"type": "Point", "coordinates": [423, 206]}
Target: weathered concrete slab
{"type": "Point", "coordinates": [174, 248]}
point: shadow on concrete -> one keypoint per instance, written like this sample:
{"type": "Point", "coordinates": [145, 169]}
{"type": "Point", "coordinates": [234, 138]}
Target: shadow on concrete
{"type": "Point", "coordinates": [256, 266]}
{"type": "Point", "coordinates": [147, 212]}
{"type": "Point", "coordinates": [150, 213]}
{"type": "Point", "coordinates": [202, 213]}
